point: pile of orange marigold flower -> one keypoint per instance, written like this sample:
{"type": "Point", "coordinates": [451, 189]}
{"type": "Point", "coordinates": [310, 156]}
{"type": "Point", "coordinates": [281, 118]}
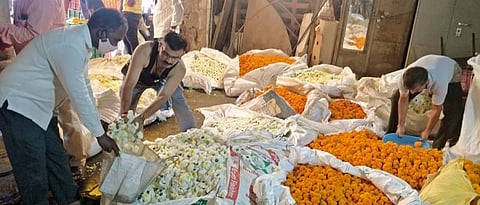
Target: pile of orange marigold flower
{"type": "Point", "coordinates": [325, 185]}
{"type": "Point", "coordinates": [252, 62]}
{"type": "Point", "coordinates": [473, 172]}
{"type": "Point", "coordinates": [365, 148]}
{"type": "Point", "coordinates": [296, 101]}
{"type": "Point", "coordinates": [344, 109]}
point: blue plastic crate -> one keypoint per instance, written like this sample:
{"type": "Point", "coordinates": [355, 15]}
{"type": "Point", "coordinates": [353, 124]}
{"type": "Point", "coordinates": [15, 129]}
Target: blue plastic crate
{"type": "Point", "coordinates": [405, 140]}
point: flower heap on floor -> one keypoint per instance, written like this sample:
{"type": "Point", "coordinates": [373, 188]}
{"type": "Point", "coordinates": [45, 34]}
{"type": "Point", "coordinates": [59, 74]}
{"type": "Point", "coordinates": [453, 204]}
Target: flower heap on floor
{"type": "Point", "coordinates": [199, 167]}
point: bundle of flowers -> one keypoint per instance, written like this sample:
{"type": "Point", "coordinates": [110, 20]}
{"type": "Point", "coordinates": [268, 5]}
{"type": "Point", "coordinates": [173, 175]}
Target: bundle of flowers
{"type": "Point", "coordinates": [366, 149]}
{"type": "Point", "coordinates": [198, 168]}
{"type": "Point", "coordinates": [296, 101]}
{"type": "Point", "coordinates": [125, 133]}
{"type": "Point", "coordinates": [344, 109]}
{"type": "Point", "coordinates": [252, 62]}
{"type": "Point", "coordinates": [209, 67]}
{"type": "Point", "coordinates": [314, 184]}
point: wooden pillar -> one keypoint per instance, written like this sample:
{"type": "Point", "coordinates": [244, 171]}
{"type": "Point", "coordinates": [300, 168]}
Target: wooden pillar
{"type": "Point", "coordinates": [196, 24]}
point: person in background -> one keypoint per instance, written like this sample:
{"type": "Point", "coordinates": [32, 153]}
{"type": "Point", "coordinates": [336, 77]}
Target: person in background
{"type": "Point", "coordinates": [167, 16]}
{"type": "Point", "coordinates": [441, 76]}
{"type": "Point", "coordinates": [93, 5]}
{"type": "Point", "coordinates": [132, 10]}
{"type": "Point", "coordinates": [50, 68]}
{"type": "Point", "coordinates": [31, 18]}
{"type": "Point", "coordinates": [157, 64]}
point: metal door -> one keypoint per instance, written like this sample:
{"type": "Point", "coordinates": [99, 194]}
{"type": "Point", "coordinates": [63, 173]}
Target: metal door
{"type": "Point", "coordinates": [374, 35]}
{"type": "Point", "coordinates": [449, 27]}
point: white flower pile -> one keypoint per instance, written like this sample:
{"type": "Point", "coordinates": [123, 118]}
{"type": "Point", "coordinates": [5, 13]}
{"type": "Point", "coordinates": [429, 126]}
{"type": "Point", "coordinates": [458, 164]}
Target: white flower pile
{"type": "Point", "coordinates": [209, 67]}
{"type": "Point", "coordinates": [114, 83]}
{"type": "Point", "coordinates": [106, 82]}
{"type": "Point", "coordinates": [228, 124]}
{"type": "Point", "coordinates": [420, 103]}
{"type": "Point", "coordinates": [125, 133]}
{"type": "Point", "coordinates": [316, 76]}
{"type": "Point", "coordinates": [199, 167]}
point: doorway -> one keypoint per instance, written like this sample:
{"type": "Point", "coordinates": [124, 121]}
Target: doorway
{"type": "Point", "coordinates": [374, 35]}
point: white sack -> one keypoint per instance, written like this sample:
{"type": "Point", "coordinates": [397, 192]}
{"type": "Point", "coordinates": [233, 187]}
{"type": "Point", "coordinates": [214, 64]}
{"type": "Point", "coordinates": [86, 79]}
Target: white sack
{"type": "Point", "coordinates": [234, 84]}
{"type": "Point", "coordinates": [468, 145]}
{"type": "Point", "coordinates": [194, 79]}
{"type": "Point", "coordinates": [270, 190]}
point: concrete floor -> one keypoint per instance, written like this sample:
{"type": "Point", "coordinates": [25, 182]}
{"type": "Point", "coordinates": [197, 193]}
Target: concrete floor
{"type": "Point", "coordinates": [196, 99]}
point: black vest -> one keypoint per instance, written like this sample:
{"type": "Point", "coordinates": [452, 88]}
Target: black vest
{"type": "Point", "coordinates": [146, 77]}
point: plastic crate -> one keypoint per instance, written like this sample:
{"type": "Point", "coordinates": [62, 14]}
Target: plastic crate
{"type": "Point", "coordinates": [405, 140]}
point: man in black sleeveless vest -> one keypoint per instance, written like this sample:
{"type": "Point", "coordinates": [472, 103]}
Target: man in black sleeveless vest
{"type": "Point", "coordinates": [158, 65]}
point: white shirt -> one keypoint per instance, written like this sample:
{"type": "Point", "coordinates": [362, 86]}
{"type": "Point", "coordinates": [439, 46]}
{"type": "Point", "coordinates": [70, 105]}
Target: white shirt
{"type": "Point", "coordinates": [442, 70]}
{"type": "Point", "coordinates": [49, 68]}
{"type": "Point", "coordinates": [167, 13]}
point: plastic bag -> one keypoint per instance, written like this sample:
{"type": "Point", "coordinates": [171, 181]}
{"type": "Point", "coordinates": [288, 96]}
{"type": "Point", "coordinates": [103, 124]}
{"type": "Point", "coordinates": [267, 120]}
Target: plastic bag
{"type": "Point", "coordinates": [125, 177]}
{"type": "Point", "coordinates": [469, 142]}
{"type": "Point", "coordinates": [269, 103]}
{"type": "Point", "coordinates": [450, 185]}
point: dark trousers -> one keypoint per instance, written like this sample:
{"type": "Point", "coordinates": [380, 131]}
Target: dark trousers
{"type": "Point", "coordinates": [131, 39]}
{"type": "Point", "coordinates": [450, 125]}
{"type": "Point", "coordinates": [38, 158]}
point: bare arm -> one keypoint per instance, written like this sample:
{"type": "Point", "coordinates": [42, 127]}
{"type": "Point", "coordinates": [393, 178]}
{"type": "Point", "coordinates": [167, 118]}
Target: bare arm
{"type": "Point", "coordinates": [139, 60]}
{"type": "Point", "coordinates": [402, 113]}
{"type": "Point", "coordinates": [432, 121]}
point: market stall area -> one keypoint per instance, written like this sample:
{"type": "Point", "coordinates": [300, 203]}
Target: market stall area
{"type": "Point", "coordinates": [286, 133]}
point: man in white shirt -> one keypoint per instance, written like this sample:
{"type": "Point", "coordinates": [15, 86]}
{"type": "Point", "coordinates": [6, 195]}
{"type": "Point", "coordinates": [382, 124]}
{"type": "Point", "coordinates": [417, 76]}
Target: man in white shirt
{"type": "Point", "coordinates": [50, 68]}
{"type": "Point", "coordinates": [167, 16]}
{"type": "Point", "coordinates": [441, 76]}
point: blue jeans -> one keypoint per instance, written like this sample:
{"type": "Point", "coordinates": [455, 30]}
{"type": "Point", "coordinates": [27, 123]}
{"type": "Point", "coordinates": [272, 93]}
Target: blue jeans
{"type": "Point", "coordinates": [183, 113]}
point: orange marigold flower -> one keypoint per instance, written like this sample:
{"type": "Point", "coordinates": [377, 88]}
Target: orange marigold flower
{"type": "Point", "coordinates": [252, 62]}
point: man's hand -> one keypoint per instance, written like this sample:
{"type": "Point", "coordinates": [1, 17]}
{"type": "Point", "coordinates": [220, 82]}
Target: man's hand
{"type": "Point", "coordinates": [140, 119]}
{"type": "Point", "coordinates": [425, 134]}
{"type": "Point", "coordinates": [108, 144]}
{"type": "Point", "coordinates": [400, 130]}
{"type": "Point", "coordinates": [104, 125]}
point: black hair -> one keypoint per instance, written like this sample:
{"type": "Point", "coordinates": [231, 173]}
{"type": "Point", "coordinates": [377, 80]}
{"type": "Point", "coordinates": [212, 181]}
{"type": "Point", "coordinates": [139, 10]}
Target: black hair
{"type": "Point", "coordinates": [415, 76]}
{"type": "Point", "coordinates": [107, 18]}
{"type": "Point", "coordinates": [175, 41]}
